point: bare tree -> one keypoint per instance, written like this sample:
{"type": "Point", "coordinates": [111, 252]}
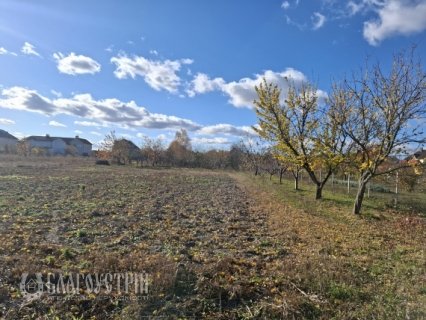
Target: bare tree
{"type": "Point", "coordinates": [269, 163]}
{"type": "Point", "coordinates": [235, 157]}
{"type": "Point", "coordinates": [23, 148]}
{"type": "Point", "coordinates": [287, 165]}
{"type": "Point", "coordinates": [105, 147]}
{"type": "Point", "coordinates": [379, 111]}
{"type": "Point", "coordinates": [119, 150]}
{"type": "Point", "coordinates": [183, 139]}
{"type": "Point", "coordinates": [179, 151]}
{"type": "Point", "coordinates": [152, 150]}
{"type": "Point", "coordinates": [253, 150]}
{"type": "Point", "coordinates": [215, 159]}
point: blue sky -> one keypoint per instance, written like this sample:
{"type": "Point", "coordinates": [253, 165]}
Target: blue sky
{"type": "Point", "coordinates": [148, 68]}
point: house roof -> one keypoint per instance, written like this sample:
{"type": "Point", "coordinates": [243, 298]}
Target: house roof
{"type": "Point", "coordinates": [131, 145]}
{"type": "Point", "coordinates": [49, 138]}
{"type": "Point", "coordinates": [421, 154]}
{"type": "Point", "coordinates": [68, 140]}
{"type": "Point", "coordinates": [5, 134]}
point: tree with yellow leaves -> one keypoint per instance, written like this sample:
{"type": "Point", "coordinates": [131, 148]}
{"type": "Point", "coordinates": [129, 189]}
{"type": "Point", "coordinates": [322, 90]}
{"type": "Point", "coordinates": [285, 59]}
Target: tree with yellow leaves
{"type": "Point", "coordinates": [302, 130]}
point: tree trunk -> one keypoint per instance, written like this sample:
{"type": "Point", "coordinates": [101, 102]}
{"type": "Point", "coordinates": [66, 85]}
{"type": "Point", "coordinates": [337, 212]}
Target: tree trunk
{"type": "Point", "coordinates": [281, 175]}
{"type": "Point", "coordinates": [319, 184]}
{"type": "Point", "coordinates": [296, 182]}
{"type": "Point", "coordinates": [318, 194]}
{"type": "Point", "coordinates": [360, 195]}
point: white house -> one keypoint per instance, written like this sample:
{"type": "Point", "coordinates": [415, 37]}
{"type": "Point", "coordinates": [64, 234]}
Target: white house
{"type": "Point", "coordinates": [8, 142]}
{"type": "Point", "coordinates": [60, 145]}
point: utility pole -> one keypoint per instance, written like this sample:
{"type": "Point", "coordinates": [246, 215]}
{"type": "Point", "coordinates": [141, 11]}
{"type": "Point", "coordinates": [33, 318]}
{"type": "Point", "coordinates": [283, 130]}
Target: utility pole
{"type": "Point", "coordinates": [396, 189]}
{"type": "Point", "coordinates": [349, 182]}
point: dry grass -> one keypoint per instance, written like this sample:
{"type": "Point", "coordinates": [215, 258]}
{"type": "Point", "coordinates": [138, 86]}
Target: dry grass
{"type": "Point", "coordinates": [349, 267]}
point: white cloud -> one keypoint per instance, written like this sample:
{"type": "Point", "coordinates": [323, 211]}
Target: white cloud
{"type": "Point", "coordinates": [19, 98]}
{"type": "Point", "coordinates": [78, 131]}
{"type": "Point", "coordinates": [227, 129]}
{"type": "Point", "coordinates": [203, 84]}
{"type": "Point", "coordinates": [107, 112]}
{"type": "Point", "coordinates": [19, 135]}
{"type": "Point", "coordinates": [141, 135]}
{"type": "Point", "coordinates": [29, 49]}
{"type": "Point", "coordinates": [396, 17]}
{"type": "Point", "coordinates": [162, 137]}
{"type": "Point", "coordinates": [95, 133]}
{"type": "Point", "coordinates": [76, 64]}
{"type": "Point", "coordinates": [187, 61]}
{"type": "Point", "coordinates": [4, 51]}
{"type": "Point", "coordinates": [215, 140]}
{"type": "Point", "coordinates": [285, 5]}
{"type": "Point", "coordinates": [110, 111]}
{"type": "Point", "coordinates": [386, 18]}
{"type": "Point", "coordinates": [242, 93]}
{"type": "Point", "coordinates": [56, 93]}
{"type": "Point", "coordinates": [54, 123]}
{"type": "Point", "coordinates": [153, 52]}
{"type": "Point", "coordinates": [6, 122]}
{"type": "Point", "coordinates": [125, 136]}
{"type": "Point", "coordinates": [298, 25]}
{"type": "Point", "coordinates": [318, 20]}
{"type": "Point", "coordinates": [159, 75]}
{"type": "Point", "coordinates": [88, 124]}
{"type": "Point", "coordinates": [354, 7]}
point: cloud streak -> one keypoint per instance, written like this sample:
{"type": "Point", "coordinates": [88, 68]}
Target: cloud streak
{"type": "Point", "coordinates": [113, 111]}
{"type": "Point", "coordinates": [54, 123]}
{"type": "Point", "coordinates": [6, 122]}
{"type": "Point", "coordinates": [318, 20]}
{"type": "Point", "coordinates": [29, 49]}
{"type": "Point", "coordinates": [227, 129]}
{"type": "Point", "coordinates": [285, 5]}
{"type": "Point", "coordinates": [4, 51]}
{"type": "Point", "coordinates": [211, 141]}
{"type": "Point", "coordinates": [89, 124]}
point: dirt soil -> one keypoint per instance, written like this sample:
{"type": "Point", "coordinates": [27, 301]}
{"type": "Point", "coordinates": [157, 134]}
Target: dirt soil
{"type": "Point", "coordinates": [194, 232]}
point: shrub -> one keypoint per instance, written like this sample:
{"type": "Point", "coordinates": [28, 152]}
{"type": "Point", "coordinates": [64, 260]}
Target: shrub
{"type": "Point", "coordinates": [102, 162]}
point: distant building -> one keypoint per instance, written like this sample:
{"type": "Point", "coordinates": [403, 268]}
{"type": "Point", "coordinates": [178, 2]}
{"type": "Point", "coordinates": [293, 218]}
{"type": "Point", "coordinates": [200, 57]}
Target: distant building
{"type": "Point", "coordinates": [8, 142]}
{"type": "Point", "coordinates": [60, 145]}
{"type": "Point", "coordinates": [419, 156]}
{"type": "Point", "coordinates": [130, 145]}
{"type": "Point", "coordinates": [124, 151]}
